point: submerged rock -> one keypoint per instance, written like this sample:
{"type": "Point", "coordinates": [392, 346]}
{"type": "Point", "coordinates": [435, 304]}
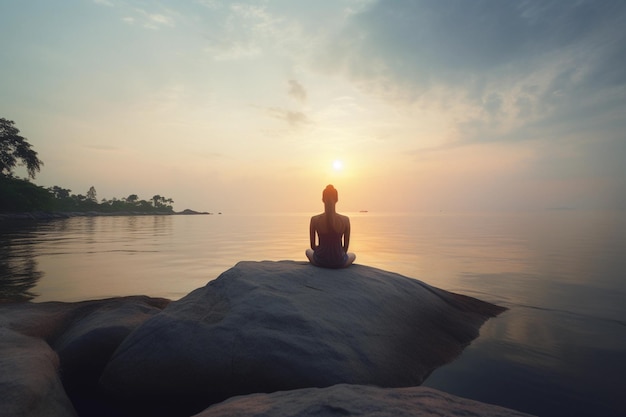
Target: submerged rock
{"type": "Point", "coordinates": [271, 326]}
{"type": "Point", "coordinates": [355, 400]}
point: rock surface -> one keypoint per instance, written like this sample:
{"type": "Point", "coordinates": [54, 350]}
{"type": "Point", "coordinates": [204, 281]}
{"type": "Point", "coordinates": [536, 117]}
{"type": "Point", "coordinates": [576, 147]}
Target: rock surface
{"type": "Point", "coordinates": [29, 379]}
{"type": "Point", "coordinates": [34, 378]}
{"type": "Point", "coordinates": [271, 326]}
{"type": "Point", "coordinates": [260, 327]}
{"type": "Point", "coordinates": [355, 400]}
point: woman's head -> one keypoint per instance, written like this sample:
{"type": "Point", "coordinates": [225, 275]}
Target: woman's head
{"type": "Point", "coordinates": [329, 195]}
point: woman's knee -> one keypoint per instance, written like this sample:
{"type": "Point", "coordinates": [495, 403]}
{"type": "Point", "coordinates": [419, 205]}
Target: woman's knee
{"type": "Point", "coordinates": [350, 259]}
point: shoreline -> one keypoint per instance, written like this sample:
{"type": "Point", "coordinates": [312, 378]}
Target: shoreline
{"type": "Point", "coordinates": [47, 215]}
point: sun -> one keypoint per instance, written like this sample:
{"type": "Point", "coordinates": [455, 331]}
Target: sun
{"type": "Point", "coordinates": [337, 165]}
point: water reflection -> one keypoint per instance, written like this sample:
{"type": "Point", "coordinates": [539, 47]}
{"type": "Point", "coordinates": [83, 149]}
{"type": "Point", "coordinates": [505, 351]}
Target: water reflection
{"type": "Point", "coordinates": [543, 362]}
{"type": "Point", "coordinates": [83, 257]}
{"type": "Point", "coordinates": [19, 271]}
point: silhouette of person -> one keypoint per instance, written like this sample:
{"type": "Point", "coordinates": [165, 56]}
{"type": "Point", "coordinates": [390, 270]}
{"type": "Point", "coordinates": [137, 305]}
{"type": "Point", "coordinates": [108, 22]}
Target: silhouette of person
{"type": "Point", "coordinates": [333, 234]}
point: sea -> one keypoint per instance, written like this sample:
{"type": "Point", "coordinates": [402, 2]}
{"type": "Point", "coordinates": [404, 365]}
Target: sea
{"type": "Point", "coordinates": [559, 349]}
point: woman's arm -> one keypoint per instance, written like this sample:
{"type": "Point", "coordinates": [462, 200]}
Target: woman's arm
{"type": "Point", "coordinates": [346, 235]}
{"type": "Point", "coordinates": [312, 230]}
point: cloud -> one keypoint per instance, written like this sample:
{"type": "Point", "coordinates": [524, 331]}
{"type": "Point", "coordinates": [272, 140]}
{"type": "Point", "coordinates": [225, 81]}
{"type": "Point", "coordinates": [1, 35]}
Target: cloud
{"type": "Point", "coordinates": [240, 34]}
{"type": "Point", "coordinates": [293, 118]}
{"type": "Point", "coordinates": [496, 67]}
{"type": "Point", "coordinates": [454, 40]}
{"type": "Point", "coordinates": [244, 31]}
{"type": "Point", "coordinates": [148, 19]}
{"type": "Point", "coordinates": [297, 91]}
{"type": "Point", "coordinates": [156, 20]}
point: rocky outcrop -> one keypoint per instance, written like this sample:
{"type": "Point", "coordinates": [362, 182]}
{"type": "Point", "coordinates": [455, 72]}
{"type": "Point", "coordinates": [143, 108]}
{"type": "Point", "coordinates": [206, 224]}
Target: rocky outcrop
{"type": "Point", "coordinates": [29, 378]}
{"type": "Point", "coordinates": [49, 350]}
{"type": "Point", "coordinates": [355, 400]}
{"type": "Point", "coordinates": [192, 212]}
{"type": "Point", "coordinates": [261, 327]}
{"type": "Point", "coordinates": [270, 326]}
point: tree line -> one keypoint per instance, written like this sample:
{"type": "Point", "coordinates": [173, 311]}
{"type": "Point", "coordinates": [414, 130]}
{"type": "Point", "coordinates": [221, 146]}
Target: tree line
{"type": "Point", "coordinates": [21, 195]}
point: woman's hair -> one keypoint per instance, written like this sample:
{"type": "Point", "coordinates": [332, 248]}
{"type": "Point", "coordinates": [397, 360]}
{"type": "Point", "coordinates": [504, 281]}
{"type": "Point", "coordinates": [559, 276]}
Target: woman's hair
{"type": "Point", "coordinates": [329, 196]}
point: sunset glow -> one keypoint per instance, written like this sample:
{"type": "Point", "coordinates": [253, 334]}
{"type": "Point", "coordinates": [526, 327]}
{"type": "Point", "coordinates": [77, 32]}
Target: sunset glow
{"type": "Point", "coordinates": [234, 107]}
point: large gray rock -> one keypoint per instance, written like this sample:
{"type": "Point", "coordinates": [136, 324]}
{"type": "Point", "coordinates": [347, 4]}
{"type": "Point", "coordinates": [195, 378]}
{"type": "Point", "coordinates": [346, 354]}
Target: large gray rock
{"type": "Point", "coordinates": [29, 379]}
{"type": "Point", "coordinates": [355, 400]}
{"type": "Point", "coordinates": [84, 334]}
{"type": "Point", "coordinates": [94, 330]}
{"type": "Point", "coordinates": [51, 320]}
{"type": "Point", "coordinates": [270, 326]}
{"type": "Point", "coordinates": [42, 344]}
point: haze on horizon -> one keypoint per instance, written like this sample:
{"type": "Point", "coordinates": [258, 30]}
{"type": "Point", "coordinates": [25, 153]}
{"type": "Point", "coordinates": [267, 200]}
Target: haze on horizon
{"type": "Point", "coordinates": [247, 106]}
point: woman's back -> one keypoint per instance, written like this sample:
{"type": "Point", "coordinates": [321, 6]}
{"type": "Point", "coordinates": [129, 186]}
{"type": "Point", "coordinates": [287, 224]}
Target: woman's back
{"type": "Point", "coordinates": [330, 232]}
{"type": "Point", "coordinates": [333, 235]}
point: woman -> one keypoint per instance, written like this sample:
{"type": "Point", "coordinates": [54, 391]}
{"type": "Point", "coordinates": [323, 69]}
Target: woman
{"type": "Point", "coordinates": [333, 235]}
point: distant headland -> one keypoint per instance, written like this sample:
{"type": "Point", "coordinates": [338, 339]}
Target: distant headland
{"type": "Point", "coordinates": [22, 199]}
{"type": "Point", "coordinates": [48, 215]}
{"type": "Point", "coordinates": [27, 201]}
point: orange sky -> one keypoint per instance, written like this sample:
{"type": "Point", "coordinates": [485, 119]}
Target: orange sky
{"type": "Point", "coordinates": [245, 107]}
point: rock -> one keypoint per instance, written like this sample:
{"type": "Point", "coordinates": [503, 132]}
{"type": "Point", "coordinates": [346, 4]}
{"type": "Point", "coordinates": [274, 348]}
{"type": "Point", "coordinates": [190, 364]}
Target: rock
{"type": "Point", "coordinates": [84, 336]}
{"type": "Point", "coordinates": [192, 212]}
{"type": "Point", "coordinates": [355, 400]}
{"type": "Point", "coordinates": [29, 380]}
{"type": "Point", "coordinates": [271, 326]}
{"type": "Point", "coordinates": [51, 320]}
{"type": "Point", "coordinates": [94, 332]}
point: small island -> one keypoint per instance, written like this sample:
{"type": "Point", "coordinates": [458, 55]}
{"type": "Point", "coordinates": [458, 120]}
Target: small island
{"type": "Point", "coordinates": [22, 199]}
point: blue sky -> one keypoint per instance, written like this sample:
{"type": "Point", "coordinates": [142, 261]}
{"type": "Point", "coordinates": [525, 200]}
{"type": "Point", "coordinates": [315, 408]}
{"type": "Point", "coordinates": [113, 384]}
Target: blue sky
{"type": "Point", "coordinates": [238, 106]}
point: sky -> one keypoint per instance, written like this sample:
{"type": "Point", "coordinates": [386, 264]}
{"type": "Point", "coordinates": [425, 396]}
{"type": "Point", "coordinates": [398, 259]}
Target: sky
{"type": "Point", "coordinates": [255, 106]}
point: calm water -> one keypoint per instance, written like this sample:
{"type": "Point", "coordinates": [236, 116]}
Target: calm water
{"type": "Point", "coordinates": [560, 349]}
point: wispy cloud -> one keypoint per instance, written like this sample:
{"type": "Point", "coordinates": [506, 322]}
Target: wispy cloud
{"type": "Point", "coordinates": [245, 31]}
{"type": "Point", "coordinates": [296, 91]}
{"type": "Point", "coordinates": [293, 118]}
{"type": "Point", "coordinates": [153, 20]}
{"type": "Point", "coordinates": [149, 19]}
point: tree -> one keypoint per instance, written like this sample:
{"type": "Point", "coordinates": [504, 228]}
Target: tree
{"type": "Point", "coordinates": [14, 147]}
{"type": "Point", "coordinates": [91, 194]}
{"type": "Point", "coordinates": [162, 202]}
{"type": "Point", "coordinates": [60, 192]}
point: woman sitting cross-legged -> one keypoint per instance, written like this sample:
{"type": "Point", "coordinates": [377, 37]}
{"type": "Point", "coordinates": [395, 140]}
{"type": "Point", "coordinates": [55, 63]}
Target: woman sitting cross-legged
{"type": "Point", "coordinates": [333, 235]}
